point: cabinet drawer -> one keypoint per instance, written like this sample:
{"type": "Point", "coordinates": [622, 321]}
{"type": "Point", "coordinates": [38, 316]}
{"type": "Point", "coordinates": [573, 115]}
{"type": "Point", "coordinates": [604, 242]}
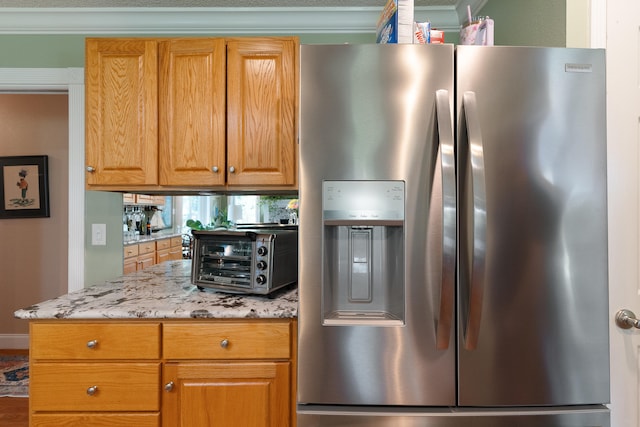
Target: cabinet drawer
{"type": "Point", "coordinates": [163, 244]}
{"type": "Point", "coordinates": [226, 340]}
{"type": "Point", "coordinates": [91, 341]}
{"type": "Point", "coordinates": [118, 387]}
{"type": "Point", "coordinates": [130, 251]}
{"type": "Point", "coordinates": [146, 247]}
{"type": "Point", "coordinates": [144, 199]}
{"type": "Point", "coordinates": [95, 420]}
{"type": "Point", "coordinates": [176, 241]}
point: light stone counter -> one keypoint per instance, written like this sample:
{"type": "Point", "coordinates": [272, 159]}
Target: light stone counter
{"type": "Point", "coordinates": [162, 291]}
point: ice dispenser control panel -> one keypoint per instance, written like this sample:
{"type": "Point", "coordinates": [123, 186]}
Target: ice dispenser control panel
{"type": "Point", "coordinates": [363, 200]}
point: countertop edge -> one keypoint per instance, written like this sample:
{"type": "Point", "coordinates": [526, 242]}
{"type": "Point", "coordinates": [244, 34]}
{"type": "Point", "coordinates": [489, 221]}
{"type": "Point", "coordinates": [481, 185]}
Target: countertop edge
{"type": "Point", "coordinates": [163, 291]}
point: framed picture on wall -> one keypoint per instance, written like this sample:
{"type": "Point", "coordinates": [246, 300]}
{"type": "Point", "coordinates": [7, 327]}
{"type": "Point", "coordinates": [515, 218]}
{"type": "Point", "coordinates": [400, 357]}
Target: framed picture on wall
{"type": "Point", "coordinates": [24, 187]}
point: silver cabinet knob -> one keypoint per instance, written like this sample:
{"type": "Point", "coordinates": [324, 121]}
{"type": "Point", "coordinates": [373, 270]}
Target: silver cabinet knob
{"type": "Point", "coordinates": [169, 386]}
{"type": "Point", "coordinates": [92, 343]}
{"type": "Point", "coordinates": [224, 343]}
{"type": "Point", "coordinates": [91, 391]}
{"type": "Point", "coordinates": [625, 319]}
{"type": "Point", "coordinates": [232, 169]}
{"type": "Point", "coordinates": [91, 169]}
{"type": "Point", "coordinates": [215, 169]}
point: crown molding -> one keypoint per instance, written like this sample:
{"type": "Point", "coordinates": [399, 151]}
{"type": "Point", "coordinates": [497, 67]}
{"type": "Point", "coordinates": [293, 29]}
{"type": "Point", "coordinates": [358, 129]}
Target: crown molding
{"type": "Point", "coordinates": [207, 20]}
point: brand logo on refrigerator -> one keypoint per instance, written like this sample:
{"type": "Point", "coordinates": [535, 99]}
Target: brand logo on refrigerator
{"type": "Point", "coordinates": [578, 68]}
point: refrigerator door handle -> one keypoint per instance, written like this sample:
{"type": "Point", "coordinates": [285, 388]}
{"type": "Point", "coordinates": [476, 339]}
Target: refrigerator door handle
{"type": "Point", "coordinates": [479, 238]}
{"type": "Point", "coordinates": [447, 163]}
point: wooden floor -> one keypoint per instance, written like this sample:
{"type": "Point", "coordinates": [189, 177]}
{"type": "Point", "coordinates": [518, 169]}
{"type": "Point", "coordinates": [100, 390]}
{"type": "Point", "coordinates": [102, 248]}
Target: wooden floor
{"type": "Point", "coordinates": [14, 411]}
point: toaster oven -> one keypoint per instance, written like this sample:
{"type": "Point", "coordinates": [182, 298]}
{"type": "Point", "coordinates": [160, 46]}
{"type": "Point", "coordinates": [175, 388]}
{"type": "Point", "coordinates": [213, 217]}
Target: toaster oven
{"type": "Point", "coordinates": [252, 261]}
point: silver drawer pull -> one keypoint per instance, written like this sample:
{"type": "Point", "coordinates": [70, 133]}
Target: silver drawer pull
{"type": "Point", "coordinates": [224, 343]}
{"type": "Point", "coordinates": [169, 386]}
{"type": "Point", "coordinates": [92, 343]}
{"type": "Point", "coordinates": [91, 391]}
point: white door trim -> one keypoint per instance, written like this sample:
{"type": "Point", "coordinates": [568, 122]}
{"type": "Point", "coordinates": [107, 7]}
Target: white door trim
{"type": "Point", "coordinates": [71, 81]}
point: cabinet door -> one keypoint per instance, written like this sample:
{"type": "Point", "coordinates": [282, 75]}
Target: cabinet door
{"type": "Point", "coordinates": [192, 112]}
{"type": "Point", "coordinates": [230, 394]}
{"type": "Point", "coordinates": [163, 255]}
{"type": "Point", "coordinates": [261, 111]}
{"type": "Point", "coordinates": [130, 265]}
{"type": "Point", "coordinates": [121, 112]}
{"type": "Point", "coordinates": [146, 260]}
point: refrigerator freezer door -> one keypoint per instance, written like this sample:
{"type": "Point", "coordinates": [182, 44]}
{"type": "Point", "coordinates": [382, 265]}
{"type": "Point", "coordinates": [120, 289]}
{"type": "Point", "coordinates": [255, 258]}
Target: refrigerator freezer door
{"type": "Point", "coordinates": [533, 324]}
{"type": "Point", "coordinates": [369, 113]}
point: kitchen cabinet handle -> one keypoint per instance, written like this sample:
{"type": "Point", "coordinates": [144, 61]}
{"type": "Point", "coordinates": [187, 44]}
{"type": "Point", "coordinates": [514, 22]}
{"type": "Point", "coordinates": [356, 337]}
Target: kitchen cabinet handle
{"type": "Point", "coordinates": [91, 169]}
{"type": "Point", "coordinates": [169, 386]}
{"type": "Point", "coordinates": [232, 169]}
{"type": "Point", "coordinates": [92, 344]}
{"type": "Point", "coordinates": [447, 165]}
{"type": "Point", "coordinates": [478, 240]}
{"type": "Point", "coordinates": [91, 391]}
{"type": "Point", "coordinates": [215, 169]}
{"type": "Point", "coordinates": [224, 343]}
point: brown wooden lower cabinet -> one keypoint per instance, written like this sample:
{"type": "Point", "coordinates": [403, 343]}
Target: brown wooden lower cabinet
{"type": "Point", "coordinates": [168, 249]}
{"type": "Point", "coordinates": [139, 256]}
{"type": "Point", "coordinates": [142, 373]}
{"type": "Point", "coordinates": [226, 394]}
{"type": "Point", "coordinates": [95, 420]}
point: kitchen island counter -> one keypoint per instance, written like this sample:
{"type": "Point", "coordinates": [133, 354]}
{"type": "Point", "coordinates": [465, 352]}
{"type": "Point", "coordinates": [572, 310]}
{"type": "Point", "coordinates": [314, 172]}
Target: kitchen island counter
{"type": "Point", "coordinates": [163, 291]}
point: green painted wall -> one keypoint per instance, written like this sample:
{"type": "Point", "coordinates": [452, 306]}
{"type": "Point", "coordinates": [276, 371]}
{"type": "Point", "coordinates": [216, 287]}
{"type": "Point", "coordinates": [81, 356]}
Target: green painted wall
{"type": "Point", "coordinates": [61, 51]}
{"type": "Point", "coordinates": [102, 262]}
{"type": "Point", "coordinates": [42, 51]}
{"type": "Point", "coordinates": [528, 23]}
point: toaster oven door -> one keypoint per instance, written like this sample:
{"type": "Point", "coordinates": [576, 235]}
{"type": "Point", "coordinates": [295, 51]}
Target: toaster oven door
{"type": "Point", "coordinates": [224, 262]}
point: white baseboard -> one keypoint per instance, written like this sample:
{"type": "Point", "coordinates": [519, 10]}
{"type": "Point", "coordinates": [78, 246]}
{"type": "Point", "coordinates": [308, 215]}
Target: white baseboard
{"type": "Point", "coordinates": [14, 341]}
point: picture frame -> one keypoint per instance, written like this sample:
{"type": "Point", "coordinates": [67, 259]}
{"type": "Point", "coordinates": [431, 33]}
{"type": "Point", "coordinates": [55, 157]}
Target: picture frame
{"type": "Point", "coordinates": [24, 187]}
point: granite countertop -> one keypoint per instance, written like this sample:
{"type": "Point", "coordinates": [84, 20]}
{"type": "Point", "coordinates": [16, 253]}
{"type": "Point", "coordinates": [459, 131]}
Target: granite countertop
{"type": "Point", "coordinates": [162, 291]}
{"type": "Point", "coordinates": [157, 235]}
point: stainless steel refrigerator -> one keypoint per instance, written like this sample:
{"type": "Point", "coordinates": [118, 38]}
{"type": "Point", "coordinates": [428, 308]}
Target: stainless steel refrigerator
{"type": "Point", "coordinates": [453, 237]}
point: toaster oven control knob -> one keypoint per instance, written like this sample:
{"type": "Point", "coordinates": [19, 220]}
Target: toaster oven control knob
{"type": "Point", "coordinates": [261, 265]}
{"type": "Point", "coordinates": [262, 250]}
{"type": "Point", "coordinates": [261, 279]}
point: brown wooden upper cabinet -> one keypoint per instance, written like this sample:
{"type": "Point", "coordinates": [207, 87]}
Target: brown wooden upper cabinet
{"type": "Point", "coordinates": [190, 113]}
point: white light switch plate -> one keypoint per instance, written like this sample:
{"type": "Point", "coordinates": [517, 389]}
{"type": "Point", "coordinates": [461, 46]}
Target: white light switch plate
{"type": "Point", "coordinates": [99, 234]}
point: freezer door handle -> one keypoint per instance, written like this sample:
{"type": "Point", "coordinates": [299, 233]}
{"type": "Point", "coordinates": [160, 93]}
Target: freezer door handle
{"type": "Point", "coordinates": [479, 216]}
{"type": "Point", "coordinates": [447, 163]}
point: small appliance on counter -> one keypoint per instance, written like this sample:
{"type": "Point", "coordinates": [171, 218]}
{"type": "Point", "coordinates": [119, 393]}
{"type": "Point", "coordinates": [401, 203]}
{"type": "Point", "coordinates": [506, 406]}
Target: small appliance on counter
{"type": "Point", "coordinates": [249, 261]}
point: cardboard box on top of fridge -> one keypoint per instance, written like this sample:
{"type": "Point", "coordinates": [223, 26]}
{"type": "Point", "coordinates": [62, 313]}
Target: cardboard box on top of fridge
{"type": "Point", "coordinates": [395, 24]}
